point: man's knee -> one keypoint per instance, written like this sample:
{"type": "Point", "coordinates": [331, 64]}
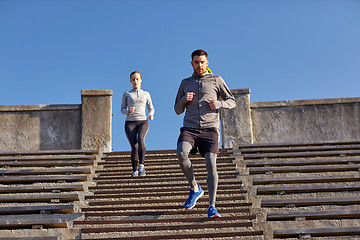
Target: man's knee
{"type": "Point", "coordinates": [210, 159]}
{"type": "Point", "coordinates": [183, 148]}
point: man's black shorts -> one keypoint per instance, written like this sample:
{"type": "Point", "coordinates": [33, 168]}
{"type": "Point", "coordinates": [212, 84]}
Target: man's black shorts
{"type": "Point", "coordinates": [206, 139]}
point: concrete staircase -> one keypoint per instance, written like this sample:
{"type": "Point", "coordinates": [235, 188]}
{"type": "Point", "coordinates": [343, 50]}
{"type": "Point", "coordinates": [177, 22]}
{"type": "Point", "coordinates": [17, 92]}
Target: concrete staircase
{"type": "Point", "coordinates": [42, 192]}
{"type": "Point", "coordinates": [266, 191]}
{"type": "Point", "coordinates": [151, 207]}
{"type": "Point", "coordinates": [304, 190]}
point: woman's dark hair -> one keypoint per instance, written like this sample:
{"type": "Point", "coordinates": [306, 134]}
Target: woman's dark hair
{"type": "Point", "coordinates": [134, 73]}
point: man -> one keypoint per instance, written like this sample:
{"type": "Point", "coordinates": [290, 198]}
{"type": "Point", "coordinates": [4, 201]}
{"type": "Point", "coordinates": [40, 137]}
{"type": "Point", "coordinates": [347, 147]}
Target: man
{"type": "Point", "coordinates": [201, 95]}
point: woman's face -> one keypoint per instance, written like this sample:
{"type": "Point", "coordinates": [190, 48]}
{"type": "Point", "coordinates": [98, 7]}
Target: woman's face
{"type": "Point", "coordinates": [136, 81]}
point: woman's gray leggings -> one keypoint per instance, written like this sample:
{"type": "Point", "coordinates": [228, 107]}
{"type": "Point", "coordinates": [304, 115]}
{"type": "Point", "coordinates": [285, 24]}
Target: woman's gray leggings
{"type": "Point", "coordinates": [183, 150]}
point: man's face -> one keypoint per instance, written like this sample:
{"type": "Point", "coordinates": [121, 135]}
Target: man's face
{"type": "Point", "coordinates": [199, 64]}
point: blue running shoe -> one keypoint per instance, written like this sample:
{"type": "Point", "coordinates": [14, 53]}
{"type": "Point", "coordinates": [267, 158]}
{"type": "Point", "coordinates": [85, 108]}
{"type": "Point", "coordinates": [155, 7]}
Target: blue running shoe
{"type": "Point", "coordinates": [193, 197]}
{"type": "Point", "coordinates": [212, 212]}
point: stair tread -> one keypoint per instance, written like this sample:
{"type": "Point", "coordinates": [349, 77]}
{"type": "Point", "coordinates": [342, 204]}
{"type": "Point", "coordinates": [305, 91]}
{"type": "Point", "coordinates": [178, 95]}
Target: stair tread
{"type": "Point", "coordinates": [157, 199]}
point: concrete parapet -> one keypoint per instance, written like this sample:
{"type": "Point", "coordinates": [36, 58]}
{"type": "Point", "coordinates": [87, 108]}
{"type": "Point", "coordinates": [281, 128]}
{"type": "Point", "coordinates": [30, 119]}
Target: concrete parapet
{"type": "Point", "coordinates": [96, 119]}
{"type": "Point", "coordinates": [58, 127]}
{"type": "Point", "coordinates": [236, 124]}
{"type": "Point", "coordinates": [40, 127]}
{"type": "Point", "coordinates": [289, 121]}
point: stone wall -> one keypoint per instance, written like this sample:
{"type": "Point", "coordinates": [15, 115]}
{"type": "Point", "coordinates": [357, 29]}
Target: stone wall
{"type": "Point", "coordinates": [289, 121]}
{"type": "Point", "coordinates": [96, 119]}
{"type": "Point", "coordinates": [58, 127]}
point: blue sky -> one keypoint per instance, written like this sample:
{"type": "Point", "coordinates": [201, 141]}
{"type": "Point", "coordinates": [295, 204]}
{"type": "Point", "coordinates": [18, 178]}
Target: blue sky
{"type": "Point", "coordinates": [280, 49]}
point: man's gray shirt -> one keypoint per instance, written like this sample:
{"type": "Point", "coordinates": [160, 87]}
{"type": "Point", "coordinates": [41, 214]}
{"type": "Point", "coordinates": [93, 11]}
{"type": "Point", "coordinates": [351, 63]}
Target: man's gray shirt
{"type": "Point", "coordinates": [198, 112]}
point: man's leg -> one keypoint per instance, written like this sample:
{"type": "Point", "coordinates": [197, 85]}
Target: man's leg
{"type": "Point", "coordinates": [196, 192]}
{"type": "Point", "coordinates": [212, 176]}
{"type": "Point", "coordinates": [212, 183]}
{"type": "Point", "coordinates": [183, 150]}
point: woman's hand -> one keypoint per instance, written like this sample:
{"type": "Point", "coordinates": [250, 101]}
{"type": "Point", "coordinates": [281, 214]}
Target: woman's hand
{"type": "Point", "coordinates": [131, 110]}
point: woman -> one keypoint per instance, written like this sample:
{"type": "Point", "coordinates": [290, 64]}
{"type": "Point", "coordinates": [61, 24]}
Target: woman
{"type": "Point", "coordinates": [136, 125]}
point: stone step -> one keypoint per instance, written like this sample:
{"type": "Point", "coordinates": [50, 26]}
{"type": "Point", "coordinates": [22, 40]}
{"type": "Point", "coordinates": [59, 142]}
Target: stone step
{"type": "Point", "coordinates": [317, 232]}
{"type": "Point", "coordinates": [168, 201]}
{"type": "Point", "coordinates": [156, 178]}
{"type": "Point", "coordinates": [56, 197]}
{"type": "Point", "coordinates": [41, 192]}
{"type": "Point", "coordinates": [309, 202]}
{"type": "Point", "coordinates": [151, 207]}
{"type": "Point", "coordinates": [47, 158]}
{"type": "Point", "coordinates": [43, 209]}
{"type": "Point", "coordinates": [164, 211]}
{"type": "Point", "coordinates": [158, 168]}
{"type": "Point", "coordinates": [57, 163]}
{"type": "Point", "coordinates": [283, 149]}
{"type": "Point", "coordinates": [302, 190]}
{"type": "Point", "coordinates": [38, 221]}
{"type": "Point", "coordinates": [50, 153]}
{"type": "Point", "coordinates": [223, 188]}
{"type": "Point", "coordinates": [301, 144]}
{"type": "Point", "coordinates": [185, 219]}
{"type": "Point", "coordinates": [282, 190]}
{"type": "Point", "coordinates": [305, 169]}
{"type": "Point", "coordinates": [301, 162]}
{"type": "Point", "coordinates": [46, 171]}
{"type": "Point", "coordinates": [157, 153]}
{"type": "Point", "coordinates": [149, 193]}
{"type": "Point", "coordinates": [209, 234]}
{"type": "Point", "coordinates": [174, 224]}
{"type": "Point", "coordinates": [158, 161]}
{"type": "Point", "coordinates": [36, 179]}
{"type": "Point", "coordinates": [142, 183]}
{"type": "Point", "coordinates": [41, 188]}
{"type": "Point", "coordinates": [305, 154]}
{"type": "Point", "coordinates": [311, 215]}
{"type": "Point", "coordinates": [305, 179]}
{"type": "Point", "coordinates": [168, 195]}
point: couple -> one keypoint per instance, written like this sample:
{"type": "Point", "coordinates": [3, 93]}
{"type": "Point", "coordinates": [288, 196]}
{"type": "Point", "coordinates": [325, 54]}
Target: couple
{"type": "Point", "coordinates": [201, 95]}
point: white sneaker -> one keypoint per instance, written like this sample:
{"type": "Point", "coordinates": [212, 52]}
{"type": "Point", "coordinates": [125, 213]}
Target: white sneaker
{"type": "Point", "coordinates": [135, 174]}
{"type": "Point", "coordinates": [142, 170]}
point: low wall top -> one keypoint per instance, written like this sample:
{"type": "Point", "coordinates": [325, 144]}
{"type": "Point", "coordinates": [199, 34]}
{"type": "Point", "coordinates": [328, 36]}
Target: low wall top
{"type": "Point", "coordinates": [42, 107]}
{"type": "Point", "coordinates": [89, 92]}
{"type": "Point", "coordinates": [240, 91]}
{"type": "Point", "coordinates": [293, 103]}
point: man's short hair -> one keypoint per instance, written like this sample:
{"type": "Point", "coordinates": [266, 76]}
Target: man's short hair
{"type": "Point", "coordinates": [198, 52]}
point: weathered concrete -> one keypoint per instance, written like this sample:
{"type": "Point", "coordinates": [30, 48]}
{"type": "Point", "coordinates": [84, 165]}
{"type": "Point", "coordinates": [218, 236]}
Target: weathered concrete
{"type": "Point", "coordinates": [58, 127]}
{"type": "Point", "coordinates": [289, 121]}
{"type": "Point", "coordinates": [40, 127]}
{"type": "Point", "coordinates": [236, 124]}
{"type": "Point", "coordinates": [96, 119]}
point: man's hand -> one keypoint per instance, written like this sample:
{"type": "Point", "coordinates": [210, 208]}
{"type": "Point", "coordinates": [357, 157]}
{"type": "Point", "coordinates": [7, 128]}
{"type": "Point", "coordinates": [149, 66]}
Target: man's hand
{"type": "Point", "coordinates": [190, 96]}
{"type": "Point", "coordinates": [151, 117]}
{"type": "Point", "coordinates": [131, 110]}
{"type": "Point", "coordinates": [212, 104]}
